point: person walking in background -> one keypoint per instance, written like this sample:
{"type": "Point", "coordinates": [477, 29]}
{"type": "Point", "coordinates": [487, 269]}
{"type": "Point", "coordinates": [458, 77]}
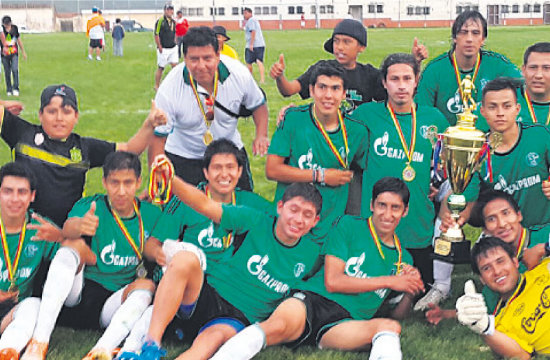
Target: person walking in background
{"type": "Point", "coordinates": [255, 44]}
{"type": "Point", "coordinates": [11, 43]}
{"type": "Point", "coordinates": [118, 35]}
{"type": "Point", "coordinates": [182, 25]}
{"type": "Point", "coordinates": [165, 39]}
{"type": "Point", "coordinates": [95, 31]}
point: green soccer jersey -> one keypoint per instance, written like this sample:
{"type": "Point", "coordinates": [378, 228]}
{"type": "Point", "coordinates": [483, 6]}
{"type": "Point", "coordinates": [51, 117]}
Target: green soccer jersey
{"type": "Point", "coordinates": [30, 258]}
{"type": "Point", "coordinates": [350, 240]}
{"type": "Point", "coordinates": [386, 157]}
{"type": "Point", "coordinates": [520, 172]}
{"type": "Point", "coordinates": [438, 85]}
{"type": "Point", "coordinates": [116, 259]}
{"type": "Point", "coordinates": [179, 221]}
{"type": "Point", "coordinates": [534, 236]}
{"type": "Point", "coordinates": [300, 141]}
{"type": "Point", "coordinates": [258, 276]}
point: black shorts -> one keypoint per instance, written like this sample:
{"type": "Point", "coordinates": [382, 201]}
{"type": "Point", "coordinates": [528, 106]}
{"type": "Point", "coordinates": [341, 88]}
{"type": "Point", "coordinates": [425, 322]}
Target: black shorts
{"type": "Point", "coordinates": [256, 54]}
{"type": "Point", "coordinates": [190, 170]}
{"type": "Point", "coordinates": [5, 308]}
{"type": "Point", "coordinates": [321, 315]}
{"type": "Point", "coordinates": [86, 314]}
{"type": "Point", "coordinates": [210, 307]}
{"type": "Point", "coordinates": [95, 43]}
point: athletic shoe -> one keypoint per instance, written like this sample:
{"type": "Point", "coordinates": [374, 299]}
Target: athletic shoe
{"type": "Point", "coordinates": [9, 354]}
{"type": "Point", "coordinates": [35, 351]}
{"type": "Point", "coordinates": [9, 93]}
{"type": "Point", "coordinates": [98, 354]}
{"type": "Point", "coordinates": [434, 296]}
{"type": "Point", "coordinates": [151, 351]}
{"type": "Point", "coordinates": [127, 355]}
{"type": "Point", "coordinates": [90, 57]}
{"type": "Point", "coordinates": [98, 58]}
{"type": "Point", "coordinates": [15, 92]}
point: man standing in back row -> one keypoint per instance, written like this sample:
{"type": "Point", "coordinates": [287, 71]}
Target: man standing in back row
{"type": "Point", "coordinates": [165, 39]}
{"type": "Point", "coordinates": [255, 44]}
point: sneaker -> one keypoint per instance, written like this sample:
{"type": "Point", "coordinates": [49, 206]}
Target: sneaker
{"type": "Point", "coordinates": [434, 296]}
{"type": "Point", "coordinates": [9, 93]}
{"type": "Point", "coordinates": [98, 58]}
{"type": "Point", "coordinates": [9, 354]}
{"type": "Point", "coordinates": [15, 92]}
{"type": "Point", "coordinates": [90, 57]}
{"type": "Point", "coordinates": [127, 355]}
{"type": "Point", "coordinates": [151, 351]}
{"type": "Point", "coordinates": [35, 351]}
{"type": "Point", "coordinates": [98, 354]}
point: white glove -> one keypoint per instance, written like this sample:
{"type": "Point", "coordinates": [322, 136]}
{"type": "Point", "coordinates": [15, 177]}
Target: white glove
{"type": "Point", "coordinates": [171, 247]}
{"type": "Point", "coordinates": [472, 311]}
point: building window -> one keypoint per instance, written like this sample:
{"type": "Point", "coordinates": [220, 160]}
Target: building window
{"type": "Point", "coordinates": [459, 10]}
{"type": "Point", "coordinates": [291, 9]}
{"type": "Point", "coordinates": [192, 11]}
{"type": "Point", "coordinates": [299, 9]}
{"type": "Point", "coordinates": [526, 8]}
{"type": "Point", "coordinates": [475, 8]}
{"type": "Point", "coordinates": [322, 9]}
{"type": "Point", "coordinates": [265, 10]}
{"type": "Point", "coordinates": [313, 9]}
{"type": "Point", "coordinates": [536, 8]}
{"type": "Point", "coordinates": [505, 9]}
{"type": "Point", "coordinates": [221, 11]}
{"type": "Point", "coordinates": [200, 11]}
{"type": "Point", "coordinates": [371, 9]}
{"type": "Point", "coordinates": [330, 9]}
{"type": "Point", "coordinates": [410, 10]}
{"type": "Point", "coordinates": [426, 10]}
{"type": "Point", "coordinates": [234, 11]}
{"type": "Point", "coordinates": [257, 10]}
{"type": "Point", "coordinates": [418, 10]}
{"type": "Point", "coordinates": [515, 9]}
{"type": "Point", "coordinates": [184, 11]}
{"type": "Point", "coordinates": [380, 8]}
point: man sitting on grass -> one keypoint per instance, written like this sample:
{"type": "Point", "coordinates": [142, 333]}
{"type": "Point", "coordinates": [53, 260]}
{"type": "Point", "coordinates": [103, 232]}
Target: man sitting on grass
{"type": "Point", "coordinates": [364, 261]}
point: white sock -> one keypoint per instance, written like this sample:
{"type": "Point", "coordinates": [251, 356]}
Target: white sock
{"type": "Point", "coordinates": [135, 340]}
{"type": "Point", "coordinates": [243, 346]}
{"type": "Point", "coordinates": [442, 275]}
{"type": "Point", "coordinates": [56, 289]}
{"type": "Point", "coordinates": [110, 307]}
{"type": "Point", "coordinates": [18, 333]}
{"type": "Point", "coordinates": [75, 293]}
{"type": "Point", "coordinates": [124, 319]}
{"type": "Point", "coordinates": [386, 346]}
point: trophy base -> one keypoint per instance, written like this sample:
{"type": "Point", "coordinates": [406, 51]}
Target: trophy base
{"type": "Point", "coordinates": [451, 252]}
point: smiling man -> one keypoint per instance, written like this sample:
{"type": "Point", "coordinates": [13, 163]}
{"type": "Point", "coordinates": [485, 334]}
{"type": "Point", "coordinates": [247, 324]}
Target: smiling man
{"type": "Point", "coordinates": [202, 99]}
{"type": "Point", "coordinates": [275, 254]}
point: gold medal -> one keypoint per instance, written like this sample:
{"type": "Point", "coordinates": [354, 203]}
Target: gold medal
{"type": "Point", "coordinates": [207, 137]}
{"type": "Point", "coordinates": [13, 287]}
{"type": "Point", "coordinates": [141, 271]}
{"type": "Point", "coordinates": [408, 173]}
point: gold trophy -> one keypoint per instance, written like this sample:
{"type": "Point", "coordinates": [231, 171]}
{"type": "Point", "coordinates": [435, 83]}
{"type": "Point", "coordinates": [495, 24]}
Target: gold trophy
{"type": "Point", "coordinates": [463, 148]}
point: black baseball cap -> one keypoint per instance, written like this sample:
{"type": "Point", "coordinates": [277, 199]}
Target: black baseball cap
{"type": "Point", "coordinates": [220, 30]}
{"type": "Point", "coordinates": [65, 91]}
{"type": "Point", "coordinates": [168, 6]}
{"type": "Point", "coordinates": [348, 27]}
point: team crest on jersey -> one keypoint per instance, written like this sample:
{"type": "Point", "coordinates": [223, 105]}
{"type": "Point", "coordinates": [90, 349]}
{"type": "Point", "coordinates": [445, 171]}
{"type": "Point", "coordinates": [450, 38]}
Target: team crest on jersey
{"type": "Point", "coordinates": [353, 266]}
{"type": "Point", "coordinates": [520, 184]}
{"type": "Point", "coordinates": [299, 269]}
{"type": "Point", "coordinates": [39, 139]}
{"type": "Point", "coordinates": [454, 104]}
{"type": "Point", "coordinates": [427, 131]}
{"type": "Point", "coordinates": [532, 159]}
{"type": "Point", "coordinates": [31, 250]}
{"type": "Point", "coordinates": [381, 149]}
{"type": "Point", "coordinates": [109, 257]}
{"type": "Point", "coordinates": [255, 266]}
{"type": "Point", "coordinates": [207, 240]}
{"type": "Point", "coordinates": [76, 154]}
{"type": "Point", "coordinates": [306, 161]}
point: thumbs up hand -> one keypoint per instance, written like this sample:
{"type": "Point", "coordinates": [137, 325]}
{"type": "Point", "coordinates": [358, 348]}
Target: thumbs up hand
{"type": "Point", "coordinates": [472, 311]}
{"type": "Point", "coordinates": [419, 51]}
{"type": "Point", "coordinates": [89, 222]}
{"type": "Point", "coordinates": [156, 116]}
{"type": "Point", "coordinates": [277, 70]}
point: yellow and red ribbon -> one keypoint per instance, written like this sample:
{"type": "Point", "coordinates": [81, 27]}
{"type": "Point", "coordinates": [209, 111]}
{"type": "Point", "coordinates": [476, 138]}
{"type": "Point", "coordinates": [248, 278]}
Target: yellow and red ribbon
{"type": "Point", "coordinates": [532, 110]}
{"type": "Point", "coordinates": [12, 266]}
{"type": "Point", "coordinates": [197, 97]}
{"type": "Point", "coordinates": [409, 150]}
{"type": "Point", "coordinates": [138, 249]}
{"type": "Point", "coordinates": [457, 72]}
{"type": "Point", "coordinates": [521, 242]}
{"type": "Point", "coordinates": [160, 188]}
{"type": "Point", "coordinates": [227, 240]}
{"type": "Point", "coordinates": [512, 298]}
{"type": "Point", "coordinates": [374, 235]}
{"type": "Point", "coordinates": [343, 162]}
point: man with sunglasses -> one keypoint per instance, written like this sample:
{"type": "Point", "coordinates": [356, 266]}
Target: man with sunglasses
{"type": "Point", "coordinates": [203, 99]}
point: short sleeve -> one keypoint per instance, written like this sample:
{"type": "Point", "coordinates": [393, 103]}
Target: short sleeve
{"type": "Point", "coordinates": [281, 140]}
{"type": "Point", "coordinates": [13, 128]}
{"type": "Point", "coordinates": [158, 25]}
{"type": "Point", "coordinates": [98, 150]}
{"type": "Point", "coordinates": [253, 96]}
{"type": "Point", "coordinates": [304, 83]}
{"type": "Point", "coordinates": [170, 224]}
{"type": "Point", "coordinates": [336, 243]}
{"type": "Point", "coordinates": [239, 219]}
{"type": "Point", "coordinates": [426, 91]}
{"type": "Point", "coordinates": [164, 102]}
{"type": "Point", "coordinates": [81, 207]}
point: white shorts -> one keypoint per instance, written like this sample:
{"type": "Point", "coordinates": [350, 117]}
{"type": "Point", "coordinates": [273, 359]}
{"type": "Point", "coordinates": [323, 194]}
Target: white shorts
{"type": "Point", "coordinates": [168, 56]}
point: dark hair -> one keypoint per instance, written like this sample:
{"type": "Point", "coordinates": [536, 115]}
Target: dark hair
{"type": "Point", "coordinates": [247, 9]}
{"type": "Point", "coordinates": [399, 58]}
{"type": "Point", "coordinates": [501, 83]}
{"type": "Point", "coordinates": [179, 12]}
{"type": "Point", "coordinates": [306, 191]}
{"type": "Point", "coordinates": [117, 20]}
{"type": "Point", "coordinates": [484, 245]}
{"type": "Point", "coordinates": [489, 195]}
{"type": "Point", "coordinates": [18, 170]}
{"type": "Point", "coordinates": [464, 17]}
{"type": "Point", "coordinates": [221, 146]}
{"type": "Point", "coordinates": [121, 160]}
{"type": "Point", "coordinates": [6, 20]}
{"type": "Point", "coordinates": [327, 68]}
{"type": "Point", "coordinates": [200, 36]}
{"type": "Point", "coordinates": [393, 185]}
{"type": "Point", "coordinates": [540, 47]}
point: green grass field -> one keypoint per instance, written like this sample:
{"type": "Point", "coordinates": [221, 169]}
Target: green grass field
{"type": "Point", "coordinates": [115, 95]}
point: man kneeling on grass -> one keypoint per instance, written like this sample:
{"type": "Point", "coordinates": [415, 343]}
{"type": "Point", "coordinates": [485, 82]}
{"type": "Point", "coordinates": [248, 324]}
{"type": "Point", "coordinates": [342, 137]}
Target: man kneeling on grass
{"type": "Point", "coordinates": [113, 229]}
{"type": "Point", "coordinates": [518, 328]}
{"type": "Point", "coordinates": [335, 308]}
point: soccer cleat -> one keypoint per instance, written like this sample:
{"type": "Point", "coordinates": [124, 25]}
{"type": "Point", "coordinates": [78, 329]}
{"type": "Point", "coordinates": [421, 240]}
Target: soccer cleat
{"type": "Point", "coordinates": [90, 57]}
{"type": "Point", "coordinates": [9, 354]}
{"type": "Point", "coordinates": [9, 93]}
{"type": "Point", "coordinates": [151, 351]}
{"type": "Point", "coordinates": [127, 355]}
{"type": "Point", "coordinates": [35, 351]}
{"type": "Point", "coordinates": [15, 92]}
{"type": "Point", "coordinates": [434, 296]}
{"type": "Point", "coordinates": [98, 354]}
{"type": "Point", "coordinates": [98, 58]}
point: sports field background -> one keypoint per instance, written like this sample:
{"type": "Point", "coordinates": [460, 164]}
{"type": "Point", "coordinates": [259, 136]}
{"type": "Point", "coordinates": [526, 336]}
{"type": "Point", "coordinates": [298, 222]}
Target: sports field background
{"type": "Point", "coordinates": [114, 98]}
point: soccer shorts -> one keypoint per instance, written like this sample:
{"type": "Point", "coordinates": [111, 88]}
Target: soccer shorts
{"type": "Point", "coordinates": [168, 56]}
{"type": "Point", "coordinates": [321, 315]}
{"type": "Point", "coordinates": [257, 53]}
{"type": "Point", "coordinates": [95, 43]}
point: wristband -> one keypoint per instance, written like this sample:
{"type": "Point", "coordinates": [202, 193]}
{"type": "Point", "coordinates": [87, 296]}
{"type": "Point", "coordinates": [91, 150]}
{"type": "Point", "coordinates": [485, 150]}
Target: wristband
{"type": "Point", "coordinates": [322, 181]}
{"type": "Point", "coordinates": [314, 176]}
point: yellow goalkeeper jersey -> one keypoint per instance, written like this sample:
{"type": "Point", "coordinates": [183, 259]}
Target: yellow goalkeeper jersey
{"type": "Point", "coordinates": [526, 316]}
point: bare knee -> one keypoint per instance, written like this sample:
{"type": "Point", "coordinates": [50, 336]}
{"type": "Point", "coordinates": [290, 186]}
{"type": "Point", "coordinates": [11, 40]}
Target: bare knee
{"type": "Point", "coordinates": [388, 325]}
{"type": "Point", "coordinates": [184, 263]}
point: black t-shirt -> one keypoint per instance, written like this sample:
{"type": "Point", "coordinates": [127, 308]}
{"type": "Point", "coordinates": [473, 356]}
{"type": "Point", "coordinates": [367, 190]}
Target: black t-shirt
{"type": "Point", "coordinates": [166, 30]}
{"type": "Point", "coordinates": [11, 39]}
{"type": "Point", "coordinates": [59, 166]}
{"type": "Point", "coordinates": [364, 85]}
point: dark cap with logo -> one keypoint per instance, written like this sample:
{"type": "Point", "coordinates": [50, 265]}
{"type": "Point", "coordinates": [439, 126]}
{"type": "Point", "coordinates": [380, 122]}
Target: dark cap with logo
{"type": "Point", "coordinates": [220, 30]}
{"type": "Point", "coordinates": [348, 27]}
{"type": "Point", "coordinates": [65, 91]}
{"type": "Point", "coordinates": [168, 6]}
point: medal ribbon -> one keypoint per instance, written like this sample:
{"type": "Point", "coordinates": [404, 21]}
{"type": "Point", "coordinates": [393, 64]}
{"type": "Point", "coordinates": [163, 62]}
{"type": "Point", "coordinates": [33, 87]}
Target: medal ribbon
{"type": "Point", "coordinates": [532, 111]}
{"type": "Point", "coordinates": [457, 72]}
{"type": "Point", "coordinates": [137, 250]}
{"type": "Point", "coordinates": [214, 94]}
{"type": "Point", "coordinates": [521, 242]}
{"type": "Point", "coordinates": [160, 194]}
{"type": "Point", "coordinates": [512, 298]}
{"type": "Point", "coordinates": [12, 267]}
{"type": "Point", "coordinates": [396, 241]}
{"type": "Point", "coordinates": [409, 150]}
{"type": "Point", "coordinates": [227, 240]}
{"type": "Point", "coordinates": [343, 163]}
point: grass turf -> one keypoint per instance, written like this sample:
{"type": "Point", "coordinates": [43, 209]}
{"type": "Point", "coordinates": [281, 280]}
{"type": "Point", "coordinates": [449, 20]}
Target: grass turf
{"type": "Point", "coordinates": [114, 97]}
